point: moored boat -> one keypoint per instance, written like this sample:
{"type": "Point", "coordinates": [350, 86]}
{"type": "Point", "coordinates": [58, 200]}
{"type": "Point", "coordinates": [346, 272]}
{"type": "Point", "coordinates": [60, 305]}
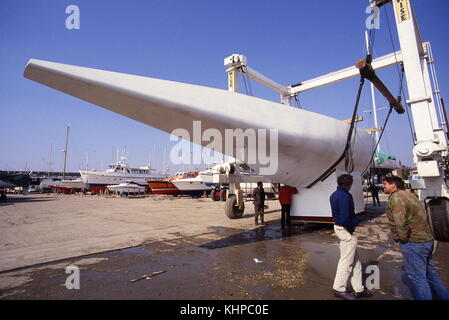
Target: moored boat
{"type": "Point", "coordinates": [166, 186]}
{"type": "Point", "coordinates": [97, 181]}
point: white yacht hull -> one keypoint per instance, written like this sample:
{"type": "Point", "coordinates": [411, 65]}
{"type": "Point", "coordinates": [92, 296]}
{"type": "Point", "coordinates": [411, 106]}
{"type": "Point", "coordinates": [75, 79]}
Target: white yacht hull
{"type": "Point", "coordinates": [99, 180]}
{"type": "Point", "coordinates": [187, 187]}
{"type": "Point", "coordinates": [126, 188]}
{"type": "Point", "coordinates": [308, 143]}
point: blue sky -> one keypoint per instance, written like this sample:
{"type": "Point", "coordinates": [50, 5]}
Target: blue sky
{"type": "Point", "coordinates": [186, 41]}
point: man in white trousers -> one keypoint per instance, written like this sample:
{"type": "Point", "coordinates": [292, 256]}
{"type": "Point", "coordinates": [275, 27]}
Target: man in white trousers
{"type": "Point", "coordinates": [342, 205]}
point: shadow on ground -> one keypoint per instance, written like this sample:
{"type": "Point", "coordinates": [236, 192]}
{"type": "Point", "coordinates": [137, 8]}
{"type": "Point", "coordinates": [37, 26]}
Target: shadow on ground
{"type": "Point", "coordinates": [21, 199]}
{"type": "Point", "coordinates": [271, 231]}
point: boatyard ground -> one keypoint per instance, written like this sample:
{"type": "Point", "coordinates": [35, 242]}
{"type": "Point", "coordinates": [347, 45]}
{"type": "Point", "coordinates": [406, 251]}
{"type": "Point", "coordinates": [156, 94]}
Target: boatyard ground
{"type": "Point", "coordinates": [163, 247]}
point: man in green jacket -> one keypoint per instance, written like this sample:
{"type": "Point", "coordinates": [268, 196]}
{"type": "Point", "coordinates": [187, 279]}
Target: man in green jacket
{"type": "Point", "coordinates": [411, 230]}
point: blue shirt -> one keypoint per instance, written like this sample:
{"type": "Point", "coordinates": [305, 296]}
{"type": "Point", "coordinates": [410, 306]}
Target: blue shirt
{"type": "Point", "coordinates": [342, 205]}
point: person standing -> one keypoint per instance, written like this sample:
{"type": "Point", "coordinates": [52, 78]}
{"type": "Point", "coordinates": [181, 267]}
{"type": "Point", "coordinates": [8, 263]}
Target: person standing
{"type": "Point", "coordinates": [259, 202]}
{"type": "Point", "coordinates": [374, 193]}
{"type": "Point", "coordinates": [285, 199]}
{"type": "Point", "coordinates": [345, 222]}
{"type": "Point", "coordinates": [411, 230]}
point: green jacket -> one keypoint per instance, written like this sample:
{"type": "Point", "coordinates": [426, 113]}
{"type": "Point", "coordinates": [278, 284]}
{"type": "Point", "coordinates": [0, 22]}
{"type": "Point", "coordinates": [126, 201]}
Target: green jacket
{"type": "Point", "coordinates": [408, 218]}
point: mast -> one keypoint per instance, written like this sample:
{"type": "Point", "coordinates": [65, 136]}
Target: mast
{"type": "Point", "coordinates": [49, 161]}
{"type": "Point", "coordinates": [373, 99]}
{"type": "Point", "coordinates": [154, 157]}
{"type": "Point", "coordinates": [65, 151]}
{"type": "Point", "coordinates": [165, 161]}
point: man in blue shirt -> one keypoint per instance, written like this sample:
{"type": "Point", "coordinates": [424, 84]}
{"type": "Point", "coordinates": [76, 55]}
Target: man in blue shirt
{"type": "Point", "coordinates": [345, 222]}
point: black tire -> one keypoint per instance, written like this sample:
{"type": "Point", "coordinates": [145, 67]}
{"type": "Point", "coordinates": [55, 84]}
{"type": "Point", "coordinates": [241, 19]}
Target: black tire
{"type": "Point", "coordinates": [438, 213]}
{"type": "Point", "coordinates": [223, 194]}
{"type": "Point", "coordinates": [213, 195]}
{"type": "Point", "coordinates": [232, 210]}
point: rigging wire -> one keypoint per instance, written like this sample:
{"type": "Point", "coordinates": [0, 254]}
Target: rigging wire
{"type": "Point", "coordinates": [349, 159]}
{"type": "Point", "coordinates": [347, 153]}
{"type": "Point", "coordinates": [378, 141]}
{"type": "Point", "coordinates": [401, 74]}
{"type": "Point", "coordinates": [412, 133]}
{"type": "Point", "coordinates": [248, 88]}
{"type": "Point", "coordinates": [387, 144]}
{"type": "Point", "coordinates": [391, 40]}
{"type": "Point", "coordinates": [297, 102]}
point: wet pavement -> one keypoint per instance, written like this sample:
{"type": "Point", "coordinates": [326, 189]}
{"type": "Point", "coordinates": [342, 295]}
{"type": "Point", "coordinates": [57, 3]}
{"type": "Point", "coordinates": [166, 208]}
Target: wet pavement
{"type": "Point", "coordinates": [224, 263]}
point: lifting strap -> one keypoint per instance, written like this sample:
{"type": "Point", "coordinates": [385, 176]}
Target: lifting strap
{"type": "Point", "coordinates": [346, 152]}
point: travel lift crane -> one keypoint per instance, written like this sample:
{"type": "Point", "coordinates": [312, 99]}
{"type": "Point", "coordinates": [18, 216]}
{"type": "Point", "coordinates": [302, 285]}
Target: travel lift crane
{"type": "Point", "coordinates": [430, 153]}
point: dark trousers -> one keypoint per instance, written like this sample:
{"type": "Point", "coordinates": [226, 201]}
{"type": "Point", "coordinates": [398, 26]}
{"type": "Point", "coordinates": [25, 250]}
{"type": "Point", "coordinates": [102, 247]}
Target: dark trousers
{"type": "Point", "coordinates": [285, 214]}
{"type": "Point", "coordinates": [258, 211]}
{"type": "Point", "coordinates": [376, 197]}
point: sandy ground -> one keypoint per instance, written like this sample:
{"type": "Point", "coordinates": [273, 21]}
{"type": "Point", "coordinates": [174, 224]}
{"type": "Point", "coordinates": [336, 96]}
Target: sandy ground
{"type": "Point", "coordinates": [200, 253]}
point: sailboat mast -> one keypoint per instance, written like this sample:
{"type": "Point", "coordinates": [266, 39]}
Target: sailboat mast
{"type": "Point", "coordinates": [165, 168]}
{"type": "Point", "coordinates": [154, 157]}
{"type": "Point", "coordinates": [49, 160]}
{"type": "Point", "coordinates": [65, 151]}
{"type": "Point", "coordinates": [373, 99]}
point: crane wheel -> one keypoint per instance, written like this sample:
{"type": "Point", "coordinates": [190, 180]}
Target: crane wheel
{"type": "Point", "coordinates": [438, 213]}
{"type": "Point", "coordinates": [232, 210]}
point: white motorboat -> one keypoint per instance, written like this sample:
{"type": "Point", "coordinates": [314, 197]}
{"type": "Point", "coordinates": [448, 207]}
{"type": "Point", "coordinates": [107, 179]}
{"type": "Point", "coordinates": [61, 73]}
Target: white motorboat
{"type": "Point", "coordinates": [166, 186]}
{"type": "Point", "coordinates": [195, 186]}
{"type": "Point", "coordinates": [128, 187]}
{"type": "Point", "coordinates": [98, 181]}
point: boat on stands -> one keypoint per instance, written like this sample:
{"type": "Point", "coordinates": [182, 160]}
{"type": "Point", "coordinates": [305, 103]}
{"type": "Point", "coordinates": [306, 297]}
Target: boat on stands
{"type": "Point", "coordinates": [192, 186]}
{"type": "Point", "coordinates": [70, 186]}
{"type": "Point", "coordinates": [128, 187]}
{"type": "Point", "coordinates": [53, 185]}
{"type": "Point", "coordinates": [196, 186]}
{"type": "Point", "coordinates": [166, 186]}
{"type": "Point", "coordinates": [98, 181]}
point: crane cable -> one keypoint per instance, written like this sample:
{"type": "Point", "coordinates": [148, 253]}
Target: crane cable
{"type": "Point", "coordinates": [401, 73]}
{"type": "Point", "coordinates": [378, 141]}
{"type": "Point", "coordinates": [347, 153]}
{"type": "Point", "coordinates": [249, 90]}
